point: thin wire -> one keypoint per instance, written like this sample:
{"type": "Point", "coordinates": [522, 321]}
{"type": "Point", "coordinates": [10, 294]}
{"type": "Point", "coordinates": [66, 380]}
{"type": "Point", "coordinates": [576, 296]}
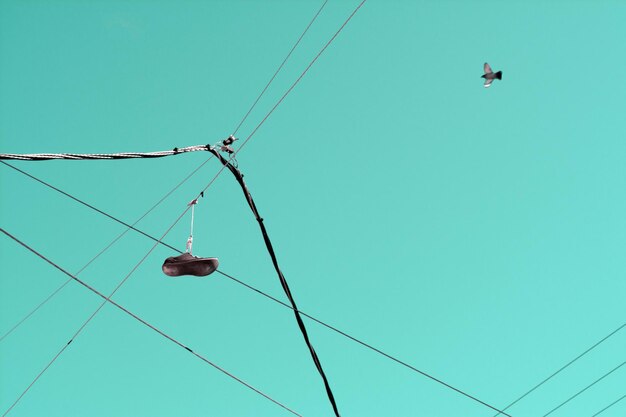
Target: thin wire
{"type": "Point", "coordinates": [115, 290]}
{"type": "Point", "coordinates": [41, 304]}
{"type": "Point", "coordinates": [563, 367]}
{"type": "Point", "coordinates": [303, 313]}
{"type": "Point", "coordinates": [280, 67]}
{"type": "Point", "coordinates": [610, 405]}
{"type": "Point", "coordinates": [144, 322]}
{"type": "Point", "coordinates": [584, 389]}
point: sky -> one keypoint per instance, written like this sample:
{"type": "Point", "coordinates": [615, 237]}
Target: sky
{"type": "Point", "coordinates": [476, 234]}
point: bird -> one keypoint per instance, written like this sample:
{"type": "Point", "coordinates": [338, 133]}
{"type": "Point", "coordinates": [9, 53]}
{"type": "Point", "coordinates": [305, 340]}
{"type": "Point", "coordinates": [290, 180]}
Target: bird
{"type": "Point", "coordinates": [490, 75]}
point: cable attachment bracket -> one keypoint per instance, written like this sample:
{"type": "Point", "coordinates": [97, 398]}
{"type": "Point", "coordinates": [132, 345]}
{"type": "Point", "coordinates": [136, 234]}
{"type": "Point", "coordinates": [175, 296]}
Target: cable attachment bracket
{"type": "Point", "coordinates": [225, 146]}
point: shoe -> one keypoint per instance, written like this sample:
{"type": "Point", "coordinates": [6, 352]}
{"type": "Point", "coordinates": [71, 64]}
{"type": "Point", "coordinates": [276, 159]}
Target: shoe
{"type": "Point", "coordinates": [187, 264]}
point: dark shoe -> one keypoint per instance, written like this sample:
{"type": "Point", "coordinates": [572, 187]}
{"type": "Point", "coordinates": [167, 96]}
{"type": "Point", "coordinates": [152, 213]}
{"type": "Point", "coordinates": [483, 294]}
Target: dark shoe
{"type": "Point", "coordinates": [187, 264]}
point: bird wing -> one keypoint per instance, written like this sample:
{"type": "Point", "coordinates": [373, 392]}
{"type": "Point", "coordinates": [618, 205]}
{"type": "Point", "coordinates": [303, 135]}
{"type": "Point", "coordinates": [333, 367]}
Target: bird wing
{"type": "Point", "coordinates": [487, 69]}
{"type": "Point", "coordinates": [488, 82]}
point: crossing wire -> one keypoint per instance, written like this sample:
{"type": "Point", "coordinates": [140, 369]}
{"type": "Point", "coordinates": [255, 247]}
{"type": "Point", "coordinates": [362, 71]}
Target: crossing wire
{"type": "Point", "coordinates": [56, 291]}
{"type": "Point", "coordinates": [563, 367]}
{"type": "Point", "coordinates": [136, 317]}
{"type": "Point", "coordinates": [335, 329]}
{"type": "Point", "coordinates": [584, 389]}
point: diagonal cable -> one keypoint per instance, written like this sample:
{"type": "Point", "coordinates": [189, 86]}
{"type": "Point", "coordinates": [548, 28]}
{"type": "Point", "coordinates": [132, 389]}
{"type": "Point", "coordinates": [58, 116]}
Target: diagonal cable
{"type": "Point", "coordinates": [281, 277]}
{"type": "Point", "coordinates": [562, 368]}
{"type": "Point", "coordinates": [136, 317]}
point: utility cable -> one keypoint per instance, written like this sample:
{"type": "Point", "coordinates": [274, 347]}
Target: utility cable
{"type": "Point", "coordinates": [609, 406]}
{"type": "Point", "coordinates": [49, 297]}
{"type": "Point", "coordinates": [584, 389]}
{"type": "Point", "coordinates": [144, 322]}
{"type": "Point", "coordinates": [101, 156]}
{"type": "Point", "coordinates": [281, 277]}
{"type": "Point", "coordinates": [563, 367]}
{"type": "Point", "coordinates": [250, 287]}
{"type": "Point", "coordinates": [279, 68]}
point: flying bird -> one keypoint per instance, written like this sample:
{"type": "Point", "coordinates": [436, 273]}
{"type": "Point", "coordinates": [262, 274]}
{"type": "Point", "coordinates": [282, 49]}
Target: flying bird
{"type": "Point", "coordinates": [490, 75]}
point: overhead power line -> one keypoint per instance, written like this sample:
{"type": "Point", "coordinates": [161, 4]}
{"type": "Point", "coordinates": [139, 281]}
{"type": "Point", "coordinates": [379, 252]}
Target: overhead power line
{"type": "Point", "coordinates": [589, 349]}
{"type": "Point", "coordinates": [142, 321]}
{"type": "Point", "coordinates": [250, 287]}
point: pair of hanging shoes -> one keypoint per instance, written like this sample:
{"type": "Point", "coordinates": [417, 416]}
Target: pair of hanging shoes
{"type": "Point", "coordinates": [187, 264]}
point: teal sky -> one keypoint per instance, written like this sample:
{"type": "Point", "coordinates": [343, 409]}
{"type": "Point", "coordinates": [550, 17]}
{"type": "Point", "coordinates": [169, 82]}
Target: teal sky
{"type": "Point", "coordinates": [477, 234]}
